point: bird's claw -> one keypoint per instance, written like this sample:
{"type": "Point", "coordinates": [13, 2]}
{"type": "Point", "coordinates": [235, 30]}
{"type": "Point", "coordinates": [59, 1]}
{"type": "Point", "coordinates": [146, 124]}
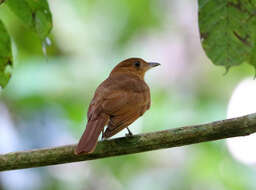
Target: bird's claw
{"type": "Point", "coordinates": [129, 134]}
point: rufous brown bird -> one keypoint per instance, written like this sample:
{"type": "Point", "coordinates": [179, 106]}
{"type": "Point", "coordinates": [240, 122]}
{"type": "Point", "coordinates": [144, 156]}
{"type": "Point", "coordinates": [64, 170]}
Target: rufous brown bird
{"type": "Point", "coordinates": [118, 101]}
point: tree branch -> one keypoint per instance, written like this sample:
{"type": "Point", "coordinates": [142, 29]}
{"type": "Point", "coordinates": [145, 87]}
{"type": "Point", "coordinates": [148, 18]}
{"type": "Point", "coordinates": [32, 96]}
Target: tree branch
{"type": "Point", "coordinates": [240, 126]}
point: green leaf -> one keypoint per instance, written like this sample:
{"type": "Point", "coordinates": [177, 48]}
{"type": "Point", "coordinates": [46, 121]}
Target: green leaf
{"type": "Point", "coordinates": [228, 31]}
{"type": "Point", "coordinates": [5, 56]}
{"type": "Point", "coordinates": [34, 13]}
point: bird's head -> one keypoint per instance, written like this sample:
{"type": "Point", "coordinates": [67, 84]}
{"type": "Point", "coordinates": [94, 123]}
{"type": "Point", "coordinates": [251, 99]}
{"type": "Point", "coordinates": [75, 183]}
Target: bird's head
{"type": "Point", "coordinates": [136, 66]}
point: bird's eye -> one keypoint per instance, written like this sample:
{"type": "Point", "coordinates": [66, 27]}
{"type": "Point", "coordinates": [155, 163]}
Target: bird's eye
{"type": "Point", "coordinates": [137, 64]}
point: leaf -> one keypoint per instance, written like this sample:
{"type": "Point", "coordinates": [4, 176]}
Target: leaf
{"type": "Point", "coordinates": [5, 56]}
{"type": "Point", "coordinates": [228, 31]}
{"type": "Point", "coordinates": [34, 13]}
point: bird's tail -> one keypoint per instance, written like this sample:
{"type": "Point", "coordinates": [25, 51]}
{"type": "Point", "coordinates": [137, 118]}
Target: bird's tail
{"type": "Point", "coordinates": [90, 136]}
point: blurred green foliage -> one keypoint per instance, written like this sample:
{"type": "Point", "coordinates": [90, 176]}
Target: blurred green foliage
{"type": "Point", "coordinates": [35, 14]}
{"type": "Point", "coordinates": [5, 56]}
{"type": "Point", "coordinates": [227, 31]}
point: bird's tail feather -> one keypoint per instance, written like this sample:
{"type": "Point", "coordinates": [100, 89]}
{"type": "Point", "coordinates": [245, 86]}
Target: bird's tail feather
{"type": "Point", "coordinates": [90, 136]}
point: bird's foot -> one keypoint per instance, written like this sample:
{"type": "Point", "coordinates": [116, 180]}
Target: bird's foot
{"type": "Point", "coordinates": [129, 133]}
{"type": "Point", "coordinates": [102, 136]}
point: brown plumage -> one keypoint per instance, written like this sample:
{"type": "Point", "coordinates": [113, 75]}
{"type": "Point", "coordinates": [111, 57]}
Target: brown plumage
{"type": "Point", "coordinates": [118, 101]}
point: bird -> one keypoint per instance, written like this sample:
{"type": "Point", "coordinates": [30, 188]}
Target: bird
{"type": "Point", "coordinates": [118, 101]}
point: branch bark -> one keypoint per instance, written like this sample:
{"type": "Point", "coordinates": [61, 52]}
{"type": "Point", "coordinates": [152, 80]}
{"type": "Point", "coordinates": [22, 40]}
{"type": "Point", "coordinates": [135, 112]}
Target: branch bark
{"type": "Point", "coordinates": [240, 126]}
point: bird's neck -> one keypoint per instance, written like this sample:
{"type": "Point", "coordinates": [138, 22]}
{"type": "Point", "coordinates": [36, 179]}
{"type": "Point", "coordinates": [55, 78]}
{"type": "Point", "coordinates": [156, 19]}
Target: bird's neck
{"type": "Point", "coordinates": [127, 72]}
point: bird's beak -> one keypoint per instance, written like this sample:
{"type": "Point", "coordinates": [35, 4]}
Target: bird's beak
{"type": "Point", "coordinates": [153, 64]}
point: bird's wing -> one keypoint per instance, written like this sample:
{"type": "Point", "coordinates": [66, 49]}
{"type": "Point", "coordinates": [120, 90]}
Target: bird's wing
{"type": "Point", "coordinates": [106, 102]}
{"type": "Point", "coordinates": [118, 123]}
{"type": "Point", "coordinates": [124, 110]}
{"type": "Point", "coordinates": [115, 95]}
